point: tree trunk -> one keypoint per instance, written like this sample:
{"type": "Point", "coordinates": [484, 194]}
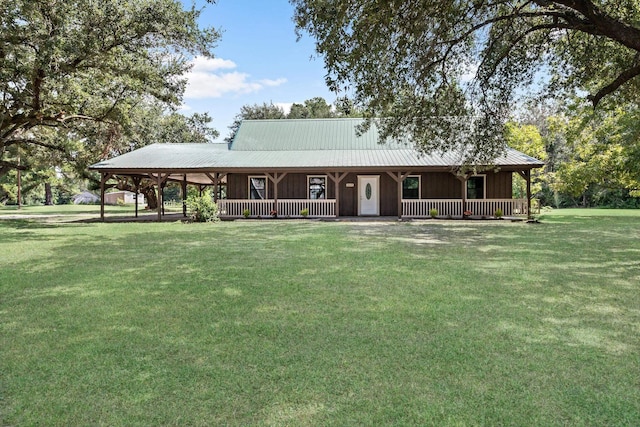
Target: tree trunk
{"type": "Point", "coordinates": [48, 195]}
{"type": "Point", "coordinates": [152, 198]}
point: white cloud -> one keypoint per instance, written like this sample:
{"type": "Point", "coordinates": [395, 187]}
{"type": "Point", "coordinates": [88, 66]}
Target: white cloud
{"type": "Point", "coordinates": [276, 82]}
{"type": "Point", "coordinates": [286, 106]}
{"type": "Point", "coordinates": [470, 73]}
{"type": "Point", "coordinates": [206, 80]}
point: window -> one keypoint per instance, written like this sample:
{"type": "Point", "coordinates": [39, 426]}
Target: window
{"type": "Point", "coordinates": [257, 187]}
{"type": "Point", "coordinates": [317, 187]}
{"type": "Point", "coordinates": [475, 187]}
{"type": "Point", "coordinates": [411, 187]}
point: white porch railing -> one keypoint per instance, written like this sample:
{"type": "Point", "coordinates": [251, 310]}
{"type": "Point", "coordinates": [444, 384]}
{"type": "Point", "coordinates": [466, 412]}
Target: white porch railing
{"type": "Point", "coordinates": [317, 208]}
{"type": "Point", "coordinates": [488, 207]}
{"type": "Point", "coordinates": [420, 208]}
{"type": "Point", "coordinates": [285, 208]}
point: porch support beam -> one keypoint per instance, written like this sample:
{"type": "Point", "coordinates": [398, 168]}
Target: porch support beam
{"type": "Point", "coordinates": [215, 179]}
{"type": "Point", "coordinates": [526, 175]}
{"type": "Point", "coordinates": [103, 180]}
{"type": "Point", "coordinates": [337, 177]}
{"type": "Point", "coordinates": [463, 180]}
{"type": "Point", "coordinates": [136, 186]}
{"type": "Point", "coordinates": [399, 178]}
{"type": "Point", "coordinates": [275, 178]}
{"type": "Point", "coordinates": [184, 195]}
{"type": "Point", "coordinates": [160, 180]}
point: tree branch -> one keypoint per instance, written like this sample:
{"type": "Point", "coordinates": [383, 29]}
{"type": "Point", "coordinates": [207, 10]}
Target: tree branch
{"type": "Point", "coordinates": [622, 78]}
{"type": "Point", "coordinates": [32, 142]}
{"type": "Point", "coordinates": [7, 166]}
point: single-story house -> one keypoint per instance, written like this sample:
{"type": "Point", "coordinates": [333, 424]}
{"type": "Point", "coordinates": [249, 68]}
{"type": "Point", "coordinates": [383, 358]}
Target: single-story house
{"type": "Point", "coordinates": [282, 167]}
{"type": "Point", "coordinates": [123, 197]}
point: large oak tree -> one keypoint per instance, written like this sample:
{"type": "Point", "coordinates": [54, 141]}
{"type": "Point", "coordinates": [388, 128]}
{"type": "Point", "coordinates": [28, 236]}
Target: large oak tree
{"type": "Point", "coordinates": [445, 73]}
{"type": "Point", "coordinates": [64, 63]}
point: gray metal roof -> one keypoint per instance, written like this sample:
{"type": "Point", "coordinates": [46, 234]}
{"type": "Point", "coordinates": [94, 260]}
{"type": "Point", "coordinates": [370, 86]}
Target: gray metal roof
{"type": "Point", "coordinates": [292, 144]}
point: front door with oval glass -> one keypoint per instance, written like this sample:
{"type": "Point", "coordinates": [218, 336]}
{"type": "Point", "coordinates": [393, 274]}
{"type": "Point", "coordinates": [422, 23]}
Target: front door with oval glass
{"type": "Point", "coordinates": [368, 195]}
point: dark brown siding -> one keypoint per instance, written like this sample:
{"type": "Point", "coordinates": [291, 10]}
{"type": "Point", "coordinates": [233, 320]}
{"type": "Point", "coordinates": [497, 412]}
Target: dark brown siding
{"type": "Point", "coordinates": [295, 186]}
{"type": "Point", "coordinates": [292, 186]}
{"type": "Point", "coordinates": [441, 185]}
{"type": "Point", "coordinates": [499, 185]}
{"type": "Point", "coordinates": [388, 195]}
{"type": "Point", "coordinates": [349, 196]}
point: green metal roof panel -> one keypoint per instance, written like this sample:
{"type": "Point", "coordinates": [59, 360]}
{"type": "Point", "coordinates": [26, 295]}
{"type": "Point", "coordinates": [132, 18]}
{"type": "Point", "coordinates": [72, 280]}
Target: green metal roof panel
{"type": "Point", "coordinates": [273, 144]}
{"type": "Point", "coordinates": [307, 134]}
{"type": "Point", "coordinates": [212, 156]}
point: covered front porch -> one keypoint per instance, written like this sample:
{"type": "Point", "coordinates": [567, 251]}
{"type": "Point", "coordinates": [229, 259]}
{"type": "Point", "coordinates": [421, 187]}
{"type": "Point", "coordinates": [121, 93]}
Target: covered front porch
{"type": "Point", "coordinates": [421, 208]}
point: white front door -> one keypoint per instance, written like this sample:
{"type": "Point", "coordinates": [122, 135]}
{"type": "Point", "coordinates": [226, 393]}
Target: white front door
{"type": "Point", "coordinates": [368, 199]}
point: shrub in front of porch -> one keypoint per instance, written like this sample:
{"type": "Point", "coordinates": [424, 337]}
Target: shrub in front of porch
{"type": "Point", "coordinates": [202, 208]}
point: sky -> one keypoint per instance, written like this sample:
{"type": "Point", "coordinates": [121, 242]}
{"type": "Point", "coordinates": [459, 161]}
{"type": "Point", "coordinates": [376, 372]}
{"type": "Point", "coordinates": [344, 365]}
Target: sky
{"type": "Point", "coordinates": [258, 59]}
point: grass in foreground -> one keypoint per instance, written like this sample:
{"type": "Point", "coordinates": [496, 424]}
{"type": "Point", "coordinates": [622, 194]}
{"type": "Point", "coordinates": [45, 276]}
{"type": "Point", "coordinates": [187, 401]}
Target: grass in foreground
{"type": "Point", "coordinates": [308, 323]}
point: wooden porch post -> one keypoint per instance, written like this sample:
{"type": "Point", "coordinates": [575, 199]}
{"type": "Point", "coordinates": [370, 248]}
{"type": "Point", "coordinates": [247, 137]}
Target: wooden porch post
{"type": "Point", "coordinates": [399, 178]}
{"type": "Point", "coordinates": [275, 178]}
{"type": "Point", "coordinates": [160, 180]}
{"type": "Point", "coordinates": [215, 188]}
{"type": "Point", "coordinates": [463, 180]}
{"type": "Point", "coordinates": [337, 177]}
{"type": "Point", "coordinates": [527, 177]}
{"type": "Point", "coordinates": [103, 180]}
{"type": "Point", "coordinates": [184, 195]}
{"type": "Point", "coordinates": [136, 186]}
{"type": "Point", "coordinates": [160, 201]}
{"type": "Point", "coordinates": [215, 179]}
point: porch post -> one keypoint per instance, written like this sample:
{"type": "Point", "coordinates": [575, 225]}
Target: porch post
{"type": "Point", "coordinates": [103, 179]}
{"type": "Point", "coordinates": [528, 178]}
{"type": "Point", "coordinates": [463, 181]}
{"type": "Point", "coordinates": [399, 177]}
{"type": "Point", "coordinates": [526, 175]}
{"type": "Point", "coordinates": [275, 178]}
{"type": "Point", "coordinates": [136, 187]}
{"type": "Point", "coordinates": [337, 177]}
{"type": "Point", "coordinates": [160, 201]}
{"type": "Point", "coordinates": [215, 188]}
{"type": "Point", "coordinates": [184, 195]}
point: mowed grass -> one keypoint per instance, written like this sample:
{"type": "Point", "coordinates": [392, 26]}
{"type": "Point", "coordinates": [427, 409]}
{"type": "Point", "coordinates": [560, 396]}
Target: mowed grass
{"type": "Point", "coordinates": [322, 323]}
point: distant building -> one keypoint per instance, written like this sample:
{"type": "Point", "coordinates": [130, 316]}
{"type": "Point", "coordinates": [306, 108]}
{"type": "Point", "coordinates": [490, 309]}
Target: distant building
{"type": "Point", "coordinates": [85, 197]}
{"type": "Point", "coordinates": [123, 197]}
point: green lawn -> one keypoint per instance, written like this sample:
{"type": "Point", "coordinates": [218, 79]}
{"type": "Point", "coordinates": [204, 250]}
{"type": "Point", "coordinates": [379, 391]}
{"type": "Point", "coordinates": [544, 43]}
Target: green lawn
{"type": "Point", "coordinates": [322, 323]}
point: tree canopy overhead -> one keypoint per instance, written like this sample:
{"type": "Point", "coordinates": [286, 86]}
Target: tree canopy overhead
{"type": "Point", "coordinates": [421, 65]}
{"type": "Point", "coordinates": [67, 62]}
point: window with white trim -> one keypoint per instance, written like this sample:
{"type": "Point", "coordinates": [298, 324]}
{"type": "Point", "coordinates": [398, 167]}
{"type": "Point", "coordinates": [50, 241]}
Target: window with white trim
{"type": "Point", "coordinates": [257, 187]}
{"type": "Point", "coordinates": [476, 187]}
{"type": "Point", "coordinates": [317, 186]}
{"type": "Point", "coordinates": [411, 187]}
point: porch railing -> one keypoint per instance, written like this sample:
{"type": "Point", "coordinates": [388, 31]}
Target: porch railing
{"type": "Point", "coordinates": [453, 207]}
{"type": "Point", "coordinates": [285, 208]}
{"type": "Point", "coordinates": [419, 208]}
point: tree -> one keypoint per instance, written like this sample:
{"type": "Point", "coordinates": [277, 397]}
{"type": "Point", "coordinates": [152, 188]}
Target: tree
{"type": "Point", "coordinates": [254, 112]}
{"type": "Point", "coordinates": [66, 64]}
{"type": "Point", "coordinates": [442, 72]}
{"type": "Point", "coordinates": [603, 166]}
{"type": "Point", "coordinates": [527, 139]}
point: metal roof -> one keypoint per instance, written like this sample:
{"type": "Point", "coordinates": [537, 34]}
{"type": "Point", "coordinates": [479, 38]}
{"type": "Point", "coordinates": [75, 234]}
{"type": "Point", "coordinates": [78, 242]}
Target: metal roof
{"type": "Point", "coordinates": [292, 144]}
{"type": "Point", "coordinates": [308, 134]}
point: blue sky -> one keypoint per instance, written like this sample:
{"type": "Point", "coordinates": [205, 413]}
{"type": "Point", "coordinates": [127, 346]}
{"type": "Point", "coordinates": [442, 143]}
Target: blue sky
{"type": "Point", "coordinates": [257, 60]}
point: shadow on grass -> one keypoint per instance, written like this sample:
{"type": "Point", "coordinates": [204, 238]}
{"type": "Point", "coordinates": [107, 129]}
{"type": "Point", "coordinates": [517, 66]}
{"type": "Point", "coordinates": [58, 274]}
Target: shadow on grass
{"type": "Point", "coordinates": [240, 323]}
